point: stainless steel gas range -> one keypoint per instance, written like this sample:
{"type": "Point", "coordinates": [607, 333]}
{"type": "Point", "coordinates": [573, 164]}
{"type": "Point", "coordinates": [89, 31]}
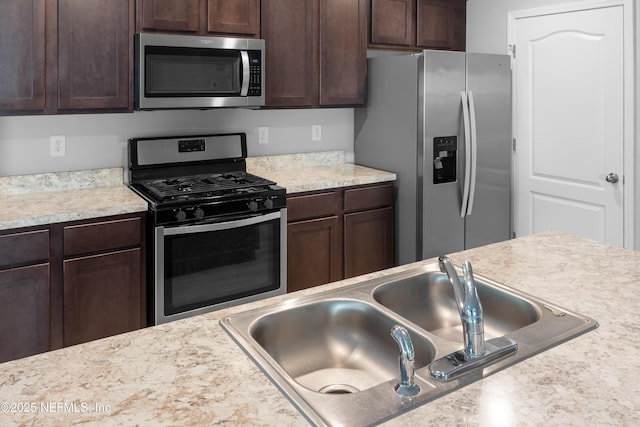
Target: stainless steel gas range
{"type": "Point", "coordinates": [217, 234]}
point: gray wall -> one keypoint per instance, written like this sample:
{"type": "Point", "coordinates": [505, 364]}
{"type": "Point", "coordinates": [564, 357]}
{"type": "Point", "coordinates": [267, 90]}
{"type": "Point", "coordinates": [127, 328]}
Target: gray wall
{"type": "Point", "coordinates": [487, 32]}
{"type": "Point", "coordinates": [99, 140]}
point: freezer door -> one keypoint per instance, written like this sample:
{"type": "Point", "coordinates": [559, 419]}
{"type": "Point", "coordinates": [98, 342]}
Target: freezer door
{"type": "Point", "coordinates": [441, 229]}
{"type": "Point", "coordinates": [489, 82]}
{"type": "Point", "coordinates": [385, 138]}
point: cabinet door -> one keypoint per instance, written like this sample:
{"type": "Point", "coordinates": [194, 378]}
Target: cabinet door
{"type": "Point", "coordinates": [314, 253]}
{"type": "Point", "coordinates": [170, 15]}
{"type": "Point", "coordinates": [22, 55]}
{"type": "Point", "coordinates": [368, 241]}
{"type": "Point", "coordinates": [24, 311]}
{"type": "Point", "coordinates": [289, 30]}
{"type": "Point", "coordinates": [441, 24]}
{"type": "Point", "coordinates": [240, 17]}
{"type": "Point", "coordinates": [94, 51]}
{"type": "Point", "coordinates": [343, 52]}
{"type": "Point", "coordinates": [103, 296]}
{"type": "Point", "coordinates": [392, 22]}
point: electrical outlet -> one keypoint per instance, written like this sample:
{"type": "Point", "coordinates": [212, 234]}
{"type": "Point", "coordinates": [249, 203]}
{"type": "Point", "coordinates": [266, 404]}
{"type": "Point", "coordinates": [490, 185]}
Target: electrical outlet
{"type": "Point", "coordinates": [57, 145]}
{"type": "Point", "coordinates": [263, 135]}
{"type": "Point", "coordinates": [316, 133]}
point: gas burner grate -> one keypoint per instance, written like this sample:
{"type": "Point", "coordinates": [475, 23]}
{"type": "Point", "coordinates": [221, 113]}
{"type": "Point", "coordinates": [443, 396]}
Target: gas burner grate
{"type": "Point", "coordinates": [206, 185]}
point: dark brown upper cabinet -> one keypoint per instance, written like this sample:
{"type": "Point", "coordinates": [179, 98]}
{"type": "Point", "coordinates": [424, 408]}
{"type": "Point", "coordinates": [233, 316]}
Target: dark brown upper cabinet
{"type": "Point", "coordinates": [240, 17]}
{"type": "Point", "coordinates": [200, 17]}
{"type": "Point", "coordinates": [86, 65]}
{"type": "Point", "coordinates": [441, 24]}
{"type": "Point", "coordinates": [315, 52]}
{"type": "Point", "coordinates": [169, 15]}
{"type": "Point", "coordinates": [418, 24]}
{"type": "Point", "coordinates": [290, 32]}
{"type": "Point", "coordinates": [393, 22]}
{"type": "Point", "coordinates": [342, 52]}
{"type": "Point", "coordinates": [94, 54]}
{"type": "Point", "coordinates": [22, 55]}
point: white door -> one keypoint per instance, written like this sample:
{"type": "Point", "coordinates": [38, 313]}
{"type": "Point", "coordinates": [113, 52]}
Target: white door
{"type": "Point", "coordinates": [569, 123]}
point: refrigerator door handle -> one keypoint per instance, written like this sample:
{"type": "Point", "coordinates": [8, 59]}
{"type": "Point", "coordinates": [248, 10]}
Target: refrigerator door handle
{"type": "Point", "coordinates": [467, 154]}
{"type": "Point", "coordinates": [474, 151]}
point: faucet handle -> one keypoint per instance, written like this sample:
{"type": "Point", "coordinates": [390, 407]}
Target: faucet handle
{"type": "Point", "coordinates": [467, 273]}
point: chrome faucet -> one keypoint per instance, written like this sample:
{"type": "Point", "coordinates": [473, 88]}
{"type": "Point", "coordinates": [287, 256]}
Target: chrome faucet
{"type": "Point", "coordinates": [406, 386]}
{"type": "Point", "coordinates": [469, 307]}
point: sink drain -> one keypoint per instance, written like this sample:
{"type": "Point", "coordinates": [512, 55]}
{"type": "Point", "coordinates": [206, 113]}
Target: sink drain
{"type": "Point", "coordinates": [339, 380]}
{"type": "Point", "coordinates": [338, 389]}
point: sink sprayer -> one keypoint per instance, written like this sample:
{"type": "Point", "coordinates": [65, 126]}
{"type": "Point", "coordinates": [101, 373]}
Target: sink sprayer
{"type": "Point", "coordinates": [406, 386]}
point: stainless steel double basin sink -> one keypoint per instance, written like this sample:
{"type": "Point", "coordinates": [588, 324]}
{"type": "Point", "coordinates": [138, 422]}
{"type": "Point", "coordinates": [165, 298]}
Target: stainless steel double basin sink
{"type": "Point", "coordinates": [333, 356]}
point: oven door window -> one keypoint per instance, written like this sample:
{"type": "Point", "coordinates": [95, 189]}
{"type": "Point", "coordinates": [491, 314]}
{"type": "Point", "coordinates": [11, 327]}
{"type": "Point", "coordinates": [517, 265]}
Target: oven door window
{"type": "Point", "coordinates": [210, 267]}
{"type": "Point", "coordinates": [184, 72]}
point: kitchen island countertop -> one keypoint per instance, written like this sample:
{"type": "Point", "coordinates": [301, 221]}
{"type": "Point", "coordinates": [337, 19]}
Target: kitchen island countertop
{"type": "Point", "coordinates": [189, 372]}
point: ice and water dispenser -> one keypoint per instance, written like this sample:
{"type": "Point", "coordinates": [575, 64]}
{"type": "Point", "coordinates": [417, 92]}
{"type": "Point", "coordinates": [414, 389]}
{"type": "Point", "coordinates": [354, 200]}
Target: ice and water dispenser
{"type": "Point", "coordinates": [445, 150]}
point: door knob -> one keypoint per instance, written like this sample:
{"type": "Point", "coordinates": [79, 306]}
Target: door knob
{"type": "Point", "coordinates": [612, 178]}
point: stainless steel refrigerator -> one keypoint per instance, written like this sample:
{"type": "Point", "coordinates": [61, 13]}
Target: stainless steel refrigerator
{"type": "Point", "coordinates": [442, 122]}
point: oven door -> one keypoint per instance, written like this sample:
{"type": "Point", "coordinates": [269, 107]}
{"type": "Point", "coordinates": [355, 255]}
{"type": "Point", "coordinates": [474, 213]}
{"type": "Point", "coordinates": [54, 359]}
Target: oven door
{"type": "Point", "coordinates": [205, 267]}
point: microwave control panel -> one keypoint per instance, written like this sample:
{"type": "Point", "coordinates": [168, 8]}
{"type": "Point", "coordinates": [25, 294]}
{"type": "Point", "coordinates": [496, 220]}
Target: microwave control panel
{"type": "Point", "coordinates": [255, 73]}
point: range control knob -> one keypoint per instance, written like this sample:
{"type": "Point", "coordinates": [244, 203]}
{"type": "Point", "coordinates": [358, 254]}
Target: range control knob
{"type": "Point", "coordinates": [198, 213]}
{"type": "Point", "coordinates": [181, 215]}
{"type": "Point", "coordinates": [252, 205]}
{"type": "Point", "coordinates": [268, 203]}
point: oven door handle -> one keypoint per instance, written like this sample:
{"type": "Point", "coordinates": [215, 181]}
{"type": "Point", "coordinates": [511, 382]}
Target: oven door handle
{"type": "Point", "coordinates": [219, 226]}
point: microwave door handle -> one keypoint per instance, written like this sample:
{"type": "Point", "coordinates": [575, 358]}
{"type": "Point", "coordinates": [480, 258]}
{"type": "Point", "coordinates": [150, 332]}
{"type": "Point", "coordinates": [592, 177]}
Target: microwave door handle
{"type": "Point", "coordinates": [244, 56]}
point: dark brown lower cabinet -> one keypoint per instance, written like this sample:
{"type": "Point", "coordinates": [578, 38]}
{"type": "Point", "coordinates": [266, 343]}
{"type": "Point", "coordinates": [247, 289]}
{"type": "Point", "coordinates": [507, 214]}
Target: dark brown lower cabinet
{"type": "Point", "coordinates": [68, 283]}
{"type": "Point", "coordinates": [24, 311]}
{"type": "Point", "coordinates": [315, 253]}
{"type": "Point", "coordinates": [102, 296]}
{"type": "Point", "coordinates": [339, 233]}
{"type": "Point", "coordinates": [368, 241]}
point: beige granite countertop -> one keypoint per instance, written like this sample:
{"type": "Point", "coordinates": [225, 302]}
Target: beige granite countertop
{"type": "Point", "coordinates": [189, 372]}
{"type": "Point", "coordinates": [39, 199]}
{"type": "Point", "coordinates": [299, 173]}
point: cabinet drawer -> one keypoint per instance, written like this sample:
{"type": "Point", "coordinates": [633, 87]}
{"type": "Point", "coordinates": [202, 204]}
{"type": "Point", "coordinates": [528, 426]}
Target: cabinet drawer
{"type": "Point", "coordinates": [313, 206]}
{"type": "Point", "coordinates": [360, 199]}
{"type": "Point", "coordinates": [22, 248]}
{"type": "Point", "coordinates": [101, 236]}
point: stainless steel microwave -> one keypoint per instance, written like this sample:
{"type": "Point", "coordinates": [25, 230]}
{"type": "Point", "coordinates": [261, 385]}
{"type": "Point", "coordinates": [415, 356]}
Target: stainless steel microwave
{"type": "Point", "coordinates": [174, 71]}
